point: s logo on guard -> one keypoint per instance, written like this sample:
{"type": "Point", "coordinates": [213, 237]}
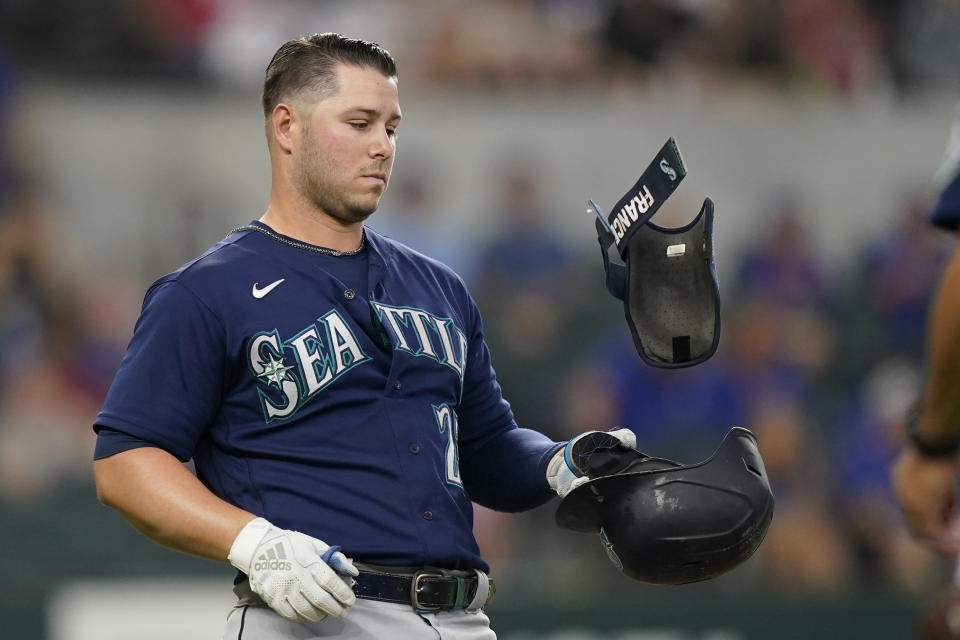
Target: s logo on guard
{"type": "Point", "coordinates": [259, 293]}
{"type": "Point", "coordinates": [667, 169]}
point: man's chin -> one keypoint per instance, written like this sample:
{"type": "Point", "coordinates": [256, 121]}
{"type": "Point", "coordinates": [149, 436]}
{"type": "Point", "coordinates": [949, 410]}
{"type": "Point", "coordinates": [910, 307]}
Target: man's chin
{"type": "Point", "coordinates": [354, 215]}
{"type": "Point", "coordinates": [349, 213]}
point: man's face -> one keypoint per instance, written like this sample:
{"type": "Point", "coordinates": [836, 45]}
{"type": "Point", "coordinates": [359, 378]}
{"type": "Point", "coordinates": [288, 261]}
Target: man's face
{"type": "Point", "coordinates": [348, 143]}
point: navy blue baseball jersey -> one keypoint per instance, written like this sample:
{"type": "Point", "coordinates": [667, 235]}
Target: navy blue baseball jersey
{"type": "Point", "coordinates": [363, 411]}
{"type": "Point", "coordinates": [946, 209]}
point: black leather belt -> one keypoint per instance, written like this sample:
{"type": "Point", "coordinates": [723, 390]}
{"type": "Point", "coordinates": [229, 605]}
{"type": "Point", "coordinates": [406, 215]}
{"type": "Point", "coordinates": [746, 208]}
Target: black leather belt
{"type": "Point", "coordinates": [425, 590]}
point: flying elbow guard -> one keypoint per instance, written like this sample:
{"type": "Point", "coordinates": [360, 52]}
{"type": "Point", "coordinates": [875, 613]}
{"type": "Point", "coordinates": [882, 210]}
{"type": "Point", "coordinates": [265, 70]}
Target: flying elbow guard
{"type": "Point", "coordinates": [665, 277]}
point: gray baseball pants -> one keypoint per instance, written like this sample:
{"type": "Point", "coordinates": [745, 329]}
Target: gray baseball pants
{"type": "Point", "coordinates": [251, 619]}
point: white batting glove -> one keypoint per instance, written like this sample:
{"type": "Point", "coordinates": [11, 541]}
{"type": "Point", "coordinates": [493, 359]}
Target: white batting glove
{"type": "Point", "coordinates": [294, 573]}
{"type": "Point", "coordinates": [567, 468]}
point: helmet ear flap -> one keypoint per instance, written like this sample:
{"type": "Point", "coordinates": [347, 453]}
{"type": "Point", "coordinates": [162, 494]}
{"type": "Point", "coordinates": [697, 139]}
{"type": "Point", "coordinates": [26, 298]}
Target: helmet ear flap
{"type": "Point", "coordinates": [666, 523]}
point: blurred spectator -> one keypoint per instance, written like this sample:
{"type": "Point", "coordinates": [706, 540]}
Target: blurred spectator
{"type": "Point", "coordinates": [525, 278]}
{"type": "Point", "coordinates": [805, 551]}
{"type": "Point", "coordinates": [589, 399]}
{"type": "Point", "coordinates": [746, 34]}
{"type": "Point", "coordinates": [642, 31]}
{"type": "Point", "coordinates": [526, 253]}
{"type": "Point", "coordinates": [781, 266]}
{"type": "Point", "coordinates": [54, 365]}
{"type": "Point", "coordinates": [246, 32]}
{"type": "Point", "coordinates": [681, 413]}
{"type": "Point", "coordinates": [144, 38]}
{"type": "Point", "coordinates": [837, 43]}
{"type": "Point", "coordinates": [774, 352]}
{"type": "Point", "coordinates": [8, 148]}
{"type": "Point", "coordinates": [925, 46]}
{"type": "Point", "coordinates": [410, 214]}
{"type": "Point", "coordinates": [512, 44]}
{"type": "Point", "coordinates": [899, 272]}
{"type": "Point", "coordinates": [701, 44]}
{"type": "Point", "coordinates": [177, 30]}
{"type": "Point", "coordinates": [871, 433]}
{"type": "Point", "coordinates": [29, 280]}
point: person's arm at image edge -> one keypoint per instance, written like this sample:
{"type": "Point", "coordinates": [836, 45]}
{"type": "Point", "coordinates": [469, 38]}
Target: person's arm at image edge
{"type": "Point", "coordinates": [926, 484]}
{"type": "Point", "coordinates": [940, 416]}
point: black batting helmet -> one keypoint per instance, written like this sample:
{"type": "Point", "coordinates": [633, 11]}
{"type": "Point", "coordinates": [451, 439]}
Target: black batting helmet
{"type": "Point", "coordinates": [667, 523]}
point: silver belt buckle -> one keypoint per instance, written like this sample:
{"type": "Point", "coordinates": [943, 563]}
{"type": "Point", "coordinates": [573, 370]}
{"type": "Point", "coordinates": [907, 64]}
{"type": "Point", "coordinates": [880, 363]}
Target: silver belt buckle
{"type": "Point", "coordinates": [415, 588]}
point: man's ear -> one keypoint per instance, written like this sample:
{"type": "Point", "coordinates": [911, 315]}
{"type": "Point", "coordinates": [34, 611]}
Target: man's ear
{"type": "Point", "coordinates": [284, 124]}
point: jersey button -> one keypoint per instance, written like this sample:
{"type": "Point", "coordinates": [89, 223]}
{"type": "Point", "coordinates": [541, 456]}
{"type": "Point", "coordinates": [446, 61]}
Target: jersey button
{"type": "Point", "coordinates": [428, 515]}
{"type": "Point", "coordinates": [397, 385]}
{"type": "Point", "coordinates": [414, 448]}
{"type": "Point", "coordinates": [349, 294]}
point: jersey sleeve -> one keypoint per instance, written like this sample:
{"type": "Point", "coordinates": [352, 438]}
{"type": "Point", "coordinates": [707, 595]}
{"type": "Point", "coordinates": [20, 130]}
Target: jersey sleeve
{"type": "Point", "coordinates": [111, 442]}
{"type": "Point", "coordinates": [946, 208]}
{"type": "Point", "coordinates": [168, 387]}
{"type": "Point", "coordinates": [503, 466]}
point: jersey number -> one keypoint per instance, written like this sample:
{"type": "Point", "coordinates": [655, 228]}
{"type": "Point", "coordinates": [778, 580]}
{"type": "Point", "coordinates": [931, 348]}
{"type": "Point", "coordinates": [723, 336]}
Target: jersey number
{"type": "Point", "coordinates": [447, 421]}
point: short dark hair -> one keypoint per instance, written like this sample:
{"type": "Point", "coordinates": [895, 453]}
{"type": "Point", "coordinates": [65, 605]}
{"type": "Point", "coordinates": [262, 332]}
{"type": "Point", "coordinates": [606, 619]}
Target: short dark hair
{"type": "Point", "coordinates": [308, 62]}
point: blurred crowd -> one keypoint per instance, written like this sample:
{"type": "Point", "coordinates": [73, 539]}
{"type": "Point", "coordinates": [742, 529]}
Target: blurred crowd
{"type": "Point", "coordinates": [820, 363]}
{"type": "Point", "coordinates": [840, 47]}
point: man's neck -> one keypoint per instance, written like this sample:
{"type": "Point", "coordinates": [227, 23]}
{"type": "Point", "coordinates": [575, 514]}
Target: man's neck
{"type": "Point", "coordinates": [313, 227]}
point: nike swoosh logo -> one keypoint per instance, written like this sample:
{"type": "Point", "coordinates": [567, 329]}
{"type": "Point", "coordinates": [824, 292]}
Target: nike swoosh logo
{"type": "Point", "coordinates": [259, 293]}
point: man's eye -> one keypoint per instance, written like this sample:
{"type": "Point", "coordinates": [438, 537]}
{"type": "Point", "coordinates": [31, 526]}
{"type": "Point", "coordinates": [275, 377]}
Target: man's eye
{"type": "Point", "coordinates": [392, 133]}
{"type": "Point", "coordinates": [358, 125]}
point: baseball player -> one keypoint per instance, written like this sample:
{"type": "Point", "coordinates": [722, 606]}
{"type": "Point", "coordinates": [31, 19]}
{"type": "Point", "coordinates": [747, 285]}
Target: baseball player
{"type": "Point", "coordinates": [332, 387]}
{"type": "Point", "coordinates": [925, 474]}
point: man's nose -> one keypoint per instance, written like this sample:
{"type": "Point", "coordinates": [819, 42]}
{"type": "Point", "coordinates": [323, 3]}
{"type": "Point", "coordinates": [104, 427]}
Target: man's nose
{"type": "Point", "coordinates": [382, 145]}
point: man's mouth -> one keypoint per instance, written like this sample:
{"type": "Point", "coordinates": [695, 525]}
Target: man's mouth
{"type": "Point", "coordinates": [377, 175]}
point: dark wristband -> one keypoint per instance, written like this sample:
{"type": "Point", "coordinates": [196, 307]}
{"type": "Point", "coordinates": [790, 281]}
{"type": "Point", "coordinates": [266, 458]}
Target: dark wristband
{"type": "Point", "coordinates": [926, 448]}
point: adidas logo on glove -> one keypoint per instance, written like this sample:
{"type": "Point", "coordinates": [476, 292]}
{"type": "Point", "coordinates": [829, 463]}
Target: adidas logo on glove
{"type": "Point", "coordinates": [273, 559]}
